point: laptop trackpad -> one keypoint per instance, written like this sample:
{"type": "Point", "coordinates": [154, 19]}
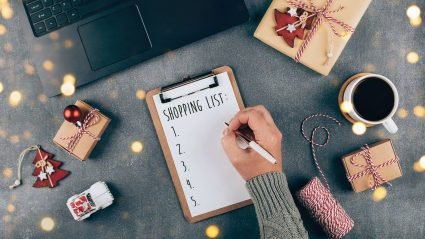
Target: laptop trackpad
{"type": "Point", "coordinates": [114, 37]}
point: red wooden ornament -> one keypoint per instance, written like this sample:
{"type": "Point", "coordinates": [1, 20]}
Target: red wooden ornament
{"type": "Point", "coordinates": [47, 170]}
{"type": "Point", "coordinates": [72, 114]}
{"type": "Point", "coordinates": [283, 19]}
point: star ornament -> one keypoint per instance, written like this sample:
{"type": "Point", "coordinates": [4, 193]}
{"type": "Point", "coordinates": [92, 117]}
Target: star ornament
{"type": "Point", "coordinates": [291, 28]}
{"type": "Point", "coordinates": [293, 11]}
{"type": "Point", "coordinates": [50, 170]}
{"type": "Point", "coordinates": [42, 176]}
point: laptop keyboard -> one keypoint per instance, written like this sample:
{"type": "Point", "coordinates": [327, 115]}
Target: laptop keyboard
{"type": "Point", "coordinates": [49, 15]}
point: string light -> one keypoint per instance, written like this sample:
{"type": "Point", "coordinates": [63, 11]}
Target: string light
{"type": "Point", "coordinates": [3, 30]}
{"type": "Point", "coordinates": [379, 194]}
{"type": "Point", "coordinates": [48, 65]}
{"type": "Point", "coordinates": [69, 78]}
{"type": "Point", "coordinates": [68, 44]}
{"type": "Point", "coordinates": [54, 36]}
{"type": "Point", "coordinates": [15, 98]}
{"type": "Point", "coordinates": [422, 162]}
{"type": "Point", "coordinates": [140, 94]}
{"type": "Point", "coordinates": [346, 107]}
{"type": "Point", "coordinates": [415, 22]}
{"type": "Point", "coordinates": [11, 208]}
{"type": "Point", "coordinates": [413, 12]}
{"type": "Point", "coordinates": [359, 128]}
{"type": "Point", "coordinates": [29, 69]}
{"type": "Point", "coordinates": [7, 172]}
{"type": "Point", "coordinates": [402, 113]}
{"type": "Point", "coordinates": [14, 139]}
{"type": "Point", "coordinates": [7, 12]}
{"type": "Point", "coordinates": [412, 57]}
{"type": "Point", "coordinates": [212, 231]}
{"type": "Point", "coordinates": [47, 224]}
{"type": "Point", "coordinates": [42, 98]}
{"type": "Point", "coordinates": [1, 87]}
{"type": "Point", "coordinates": [67, 89]}
{"type": "Point", "coordinates": [419, 111]}
{"type": "Point", "coordinates": [136, 147]}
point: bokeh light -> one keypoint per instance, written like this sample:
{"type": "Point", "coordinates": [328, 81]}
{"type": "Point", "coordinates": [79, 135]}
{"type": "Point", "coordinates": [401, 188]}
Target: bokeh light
{"type": "Point", "coordinates": [3, 30]}
{"type": "Point", "coordinates": [29, 69]}
{"type": "Point", "coordinates": [1, 87]}
{"type": "Point", "coordinates": [27, 134]}
{"type": "Point", "coordinates": [140, 94]}
{"type": "Point", "coordinates": [14, 139]}
{"type": "Point", "coordinates": [359, 128]}
{"type": "Point", "coordinates": [369, 68]}
{"type": "Point", "coordinates": [346, 107]}
{"type": "Point", "coordinates": [422, 162]}
{"type": "Point", "coordinates": [419, 111]}
{"type": "Point", "coordinates": [3, 133]}
{"type": "Point", "coordinates": [54, 36]}
{"type": "Point", "coordinates": [212, 231]}
{"type": "Point", "coordinates": [47, 224]}
{"type": "Point", "coordinates": [412, 57]}
{"type": "Point", "coordinates": [69, 78]}
{"type": "Point", "coordinates": [11, 208]}
{"type": "Point", "coordinates": [413, 11]}
{"type": "Point", "coordinates": [42, 98]}
{"type": "Point", "coordinates": [15, 98]}
{"type": "Point", "coordinates": [68, 43]}
{"type": "Point", "coordinates": [415, 22]}
{"type": "Point", "coordinates": [8, 47]}
{"type": "Point", "coordinates": [6, 12]}
{"type": "Point", "coordinates": [136, 147]}
{"type": "Point", "coordinates": [48, 65]}
{"type": "Point", "coordinates": [379, 194]}
{"type": "Point", "coordinates": [7, 172]}
{"type": "Point", "coordinates": [402, 113]}
{"type": "Point", "coordinates": [67, 89]}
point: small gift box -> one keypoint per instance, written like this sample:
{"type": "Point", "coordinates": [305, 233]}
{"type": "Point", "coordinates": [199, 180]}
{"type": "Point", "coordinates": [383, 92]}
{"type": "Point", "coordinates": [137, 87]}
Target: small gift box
{"type": "Point", "coordinates": [314, 33]}
{"type": "Point", "coordinates": [80, 139]}
{"type": "Point", "coordinates": [372, 166]}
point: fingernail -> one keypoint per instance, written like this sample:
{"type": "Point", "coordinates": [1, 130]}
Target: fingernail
{"type": "Point", "coordinates": [225, 131]}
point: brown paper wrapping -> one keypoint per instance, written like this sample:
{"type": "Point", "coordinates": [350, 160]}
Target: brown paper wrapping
{"type": "Point", "coordinates": [314, 55]}
{"type": "Point", "coordinates": [381, 152]}
{"type": "Point", "coordinates": [86, 144]}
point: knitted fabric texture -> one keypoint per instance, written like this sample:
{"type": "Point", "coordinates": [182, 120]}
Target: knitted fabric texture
{"type": "Point", "coordinates": [278, 216]}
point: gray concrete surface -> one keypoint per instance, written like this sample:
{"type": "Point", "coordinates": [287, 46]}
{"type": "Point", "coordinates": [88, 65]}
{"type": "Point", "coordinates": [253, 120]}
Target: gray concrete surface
{"type": "Point", "coordinates": [146, 205]}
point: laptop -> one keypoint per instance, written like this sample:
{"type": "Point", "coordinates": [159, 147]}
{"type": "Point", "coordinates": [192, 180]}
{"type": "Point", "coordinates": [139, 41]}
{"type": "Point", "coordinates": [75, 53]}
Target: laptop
{"type": "Point", "coordinates": [90, 39]}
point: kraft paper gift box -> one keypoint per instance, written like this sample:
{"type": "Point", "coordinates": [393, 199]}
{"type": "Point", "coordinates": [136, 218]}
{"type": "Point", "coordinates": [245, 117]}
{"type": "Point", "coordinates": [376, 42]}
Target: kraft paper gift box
{"type": "Point", "coordinates": [323, 42]}
{"type": "Point", "coordinates": [94, 124]}
{"type": "Point", "coordinates": [383, 158]}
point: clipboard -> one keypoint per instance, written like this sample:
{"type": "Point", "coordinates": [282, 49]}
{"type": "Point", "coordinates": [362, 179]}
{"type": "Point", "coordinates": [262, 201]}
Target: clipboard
{"type": "Point", "coordinates": [166, 148]}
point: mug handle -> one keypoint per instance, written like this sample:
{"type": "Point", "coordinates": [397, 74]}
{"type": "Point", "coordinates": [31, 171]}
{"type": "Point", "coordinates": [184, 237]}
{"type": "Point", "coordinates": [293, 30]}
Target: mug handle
{"type": "Point", "coordinates": [390, 126]}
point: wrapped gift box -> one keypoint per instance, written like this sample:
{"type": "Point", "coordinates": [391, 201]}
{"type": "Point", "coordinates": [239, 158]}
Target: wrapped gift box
{"type": "Point", "coordinates": [80, 142]}
{"type": "Point", "coordinates": [323, 42]}
{"type": "Point", "coordinates": [383, 158]}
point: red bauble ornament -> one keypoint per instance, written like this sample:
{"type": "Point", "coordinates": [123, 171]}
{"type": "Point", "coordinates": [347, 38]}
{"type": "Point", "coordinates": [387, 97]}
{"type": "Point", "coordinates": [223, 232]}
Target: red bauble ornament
{"type": "Point", "coordinates": [72, 114]}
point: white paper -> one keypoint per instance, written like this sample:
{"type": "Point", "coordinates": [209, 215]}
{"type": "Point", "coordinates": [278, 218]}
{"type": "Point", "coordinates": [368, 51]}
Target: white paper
{"type": "Point", "coordinates": [208, 178]}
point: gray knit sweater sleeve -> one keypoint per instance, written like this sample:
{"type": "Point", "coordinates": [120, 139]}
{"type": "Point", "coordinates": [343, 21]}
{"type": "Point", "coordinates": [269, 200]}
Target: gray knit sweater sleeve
{"type": "Point", "coordinates": [278, 217]}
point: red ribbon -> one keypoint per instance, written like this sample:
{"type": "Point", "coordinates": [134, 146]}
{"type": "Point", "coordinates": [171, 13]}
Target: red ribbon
{"type": "Point", "coordinates": [370, 168]}
{"type": "Point", "coordinates": [91, 119]}
{"type": "Point", "coordinates": [322, 14]}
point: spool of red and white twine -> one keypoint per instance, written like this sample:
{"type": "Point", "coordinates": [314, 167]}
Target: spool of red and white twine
{"type": "Point", "coordinates": [317, 198]}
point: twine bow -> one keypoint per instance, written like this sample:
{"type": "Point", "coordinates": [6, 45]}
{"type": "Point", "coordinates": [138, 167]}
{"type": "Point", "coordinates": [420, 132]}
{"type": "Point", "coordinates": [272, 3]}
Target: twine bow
{"type": "Point", "coordinates": [322, 14]}
{"type": "Point", "coordinates": [370, 169]}
{"type": "Point", "coordinates": [91, 119]}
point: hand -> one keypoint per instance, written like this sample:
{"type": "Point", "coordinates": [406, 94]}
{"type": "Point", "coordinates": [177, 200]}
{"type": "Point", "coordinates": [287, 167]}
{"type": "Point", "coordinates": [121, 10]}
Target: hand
{"type": "Point", "coordinates": [248, 162]}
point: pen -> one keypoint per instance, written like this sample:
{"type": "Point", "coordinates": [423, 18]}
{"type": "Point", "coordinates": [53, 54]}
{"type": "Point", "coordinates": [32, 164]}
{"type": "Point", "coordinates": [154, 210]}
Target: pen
{"type": "Point", "coordinates": [255, 146]}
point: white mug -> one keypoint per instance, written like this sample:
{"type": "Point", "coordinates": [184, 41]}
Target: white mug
{"type": "Point", "coordinates": [387, 122]}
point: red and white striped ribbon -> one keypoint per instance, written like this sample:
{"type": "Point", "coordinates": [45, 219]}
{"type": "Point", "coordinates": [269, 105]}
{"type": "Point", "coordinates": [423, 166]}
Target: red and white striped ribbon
{"type": "Point", "coordinates": [322, 14]}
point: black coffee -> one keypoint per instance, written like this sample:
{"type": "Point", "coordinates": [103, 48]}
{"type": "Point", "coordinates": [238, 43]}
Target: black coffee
{"type": "Point", "coordinates": [373, 99]}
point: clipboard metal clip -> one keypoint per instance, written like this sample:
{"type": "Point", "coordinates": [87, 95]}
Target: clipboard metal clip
{"type": "Point", "coordinates": [188, 81]}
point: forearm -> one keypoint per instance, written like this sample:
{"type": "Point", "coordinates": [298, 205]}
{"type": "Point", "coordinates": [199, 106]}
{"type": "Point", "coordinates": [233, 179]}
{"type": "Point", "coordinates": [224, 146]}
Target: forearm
{"type": "Point", "coordinates": [278, 217]}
